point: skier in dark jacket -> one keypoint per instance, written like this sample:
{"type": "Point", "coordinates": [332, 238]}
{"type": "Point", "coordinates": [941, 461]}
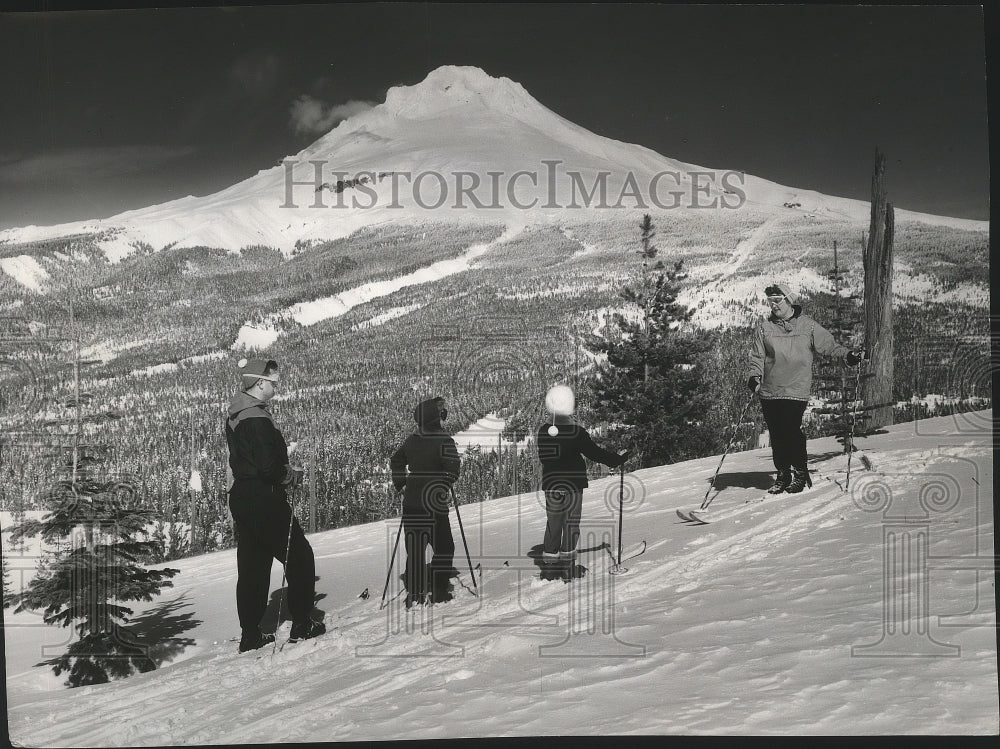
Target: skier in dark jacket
{"type": "Point", "coordinates": [260, 479]}
{"type": "Point", "coordinates": [780, 370]}
{"type": "Point", "coordinates": [432, 458]}
{"type": "Point", "coordinates": [562, 446]}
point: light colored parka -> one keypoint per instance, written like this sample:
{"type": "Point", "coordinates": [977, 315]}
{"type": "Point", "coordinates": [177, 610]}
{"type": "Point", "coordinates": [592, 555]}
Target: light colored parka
{"type": "Point", "coordinates": [782, 354]}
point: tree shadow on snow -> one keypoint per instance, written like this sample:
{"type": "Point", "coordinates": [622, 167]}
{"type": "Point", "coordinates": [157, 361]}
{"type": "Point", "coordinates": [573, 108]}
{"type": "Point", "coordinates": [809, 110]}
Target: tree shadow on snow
{"type": "Point", "coordinates": [744, 480]}
{"type": "Point", "coordinates": [157, 631]}
{"type": "Point", "coordinates": [825, 456]}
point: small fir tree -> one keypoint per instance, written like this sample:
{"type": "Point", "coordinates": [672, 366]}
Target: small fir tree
{"type": "Point", "coordinates": [652, 389]}
{"type": "Point", "coordinates": [96, 519]}
{"type": "Point", "coordinates": [101, 567]}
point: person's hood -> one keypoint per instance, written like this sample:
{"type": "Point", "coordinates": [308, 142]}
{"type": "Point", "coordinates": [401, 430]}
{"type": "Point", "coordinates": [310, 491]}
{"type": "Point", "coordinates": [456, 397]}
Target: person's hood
{"type": "Point", "coordinates": [427, 414]}
{"type": "Point", "coordinates": [244, 406]}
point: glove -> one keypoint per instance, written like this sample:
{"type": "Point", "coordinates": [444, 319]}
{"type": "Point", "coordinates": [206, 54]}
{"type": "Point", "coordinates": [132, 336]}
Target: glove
{"type": "Point", "coordinates": [853, 358]}
{"type": "Point", "coordinates": [623, 457]}
{"type": "Point", "coordinates": [293, 477]}
{"type": "Point", "coordinates": [753, 383]}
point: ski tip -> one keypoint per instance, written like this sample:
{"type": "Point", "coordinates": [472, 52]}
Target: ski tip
{"type": "Point", "coordinates": [691, 516]}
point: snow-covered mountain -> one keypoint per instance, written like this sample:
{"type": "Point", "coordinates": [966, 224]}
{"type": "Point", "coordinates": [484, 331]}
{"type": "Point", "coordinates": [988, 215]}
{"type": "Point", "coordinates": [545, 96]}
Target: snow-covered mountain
{"type": "Point", "coordinates": [460, 145]}
{"type": "Point", "coordinates": [863, 611]}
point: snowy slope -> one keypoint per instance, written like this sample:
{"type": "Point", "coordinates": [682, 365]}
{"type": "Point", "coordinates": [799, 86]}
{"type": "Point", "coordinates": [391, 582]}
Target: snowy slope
{"type": "Point", "coordinates": [762, 622]}
{"type": "Point", "coordinates": [457, 120]}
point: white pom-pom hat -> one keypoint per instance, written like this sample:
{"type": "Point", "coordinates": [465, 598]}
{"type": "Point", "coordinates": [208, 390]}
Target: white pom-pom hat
{"type": "Point", "coordinates": [256, 369]}
{"type": "Point", "coordinates": [559, 401]}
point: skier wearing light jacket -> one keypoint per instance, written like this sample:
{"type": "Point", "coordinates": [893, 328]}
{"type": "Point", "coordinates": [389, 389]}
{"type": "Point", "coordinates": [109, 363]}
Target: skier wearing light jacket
{"type": "Point", "coordinates": [258, 500]}
{"type": "Point", "coordinates": [780, 370]}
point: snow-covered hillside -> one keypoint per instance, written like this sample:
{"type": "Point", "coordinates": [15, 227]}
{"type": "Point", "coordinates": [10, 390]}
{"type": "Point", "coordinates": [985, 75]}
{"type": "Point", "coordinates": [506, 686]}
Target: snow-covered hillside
{"type": "Point", "coordinates": [870, 611]}
{"type": "Point", "coordinates": [460, 145]}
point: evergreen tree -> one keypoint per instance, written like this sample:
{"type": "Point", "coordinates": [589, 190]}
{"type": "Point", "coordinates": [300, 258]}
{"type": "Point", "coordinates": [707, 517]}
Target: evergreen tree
{"type": "Point", "coordinates": [102, 566]}
{"type": "Point", "coordinates": [652, 391]}
{"type": "Point", "coordinates": [96, 518]}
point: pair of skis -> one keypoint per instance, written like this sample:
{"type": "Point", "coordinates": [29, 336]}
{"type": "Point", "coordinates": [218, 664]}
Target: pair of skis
{"type": "Point", "coordinates": [702, 516]}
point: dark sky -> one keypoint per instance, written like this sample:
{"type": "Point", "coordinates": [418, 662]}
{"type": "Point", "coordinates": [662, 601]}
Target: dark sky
{"type": "Point", "coordinates": [102, 111]}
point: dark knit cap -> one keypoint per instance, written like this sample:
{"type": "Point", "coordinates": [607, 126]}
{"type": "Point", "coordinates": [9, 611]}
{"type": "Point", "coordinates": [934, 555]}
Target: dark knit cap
{"type": "Point", "coordinates": [429, 411]}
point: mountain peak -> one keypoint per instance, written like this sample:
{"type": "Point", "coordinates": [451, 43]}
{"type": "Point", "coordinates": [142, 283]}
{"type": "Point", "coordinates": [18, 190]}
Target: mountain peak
{"type": "Point", "coordinates": [453, 86]}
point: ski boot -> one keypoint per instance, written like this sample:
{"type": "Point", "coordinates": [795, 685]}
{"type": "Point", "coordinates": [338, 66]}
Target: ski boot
{"type": "Point", "coordinates": [800, 480]}
{"type": "Point", "coordinates": [415, 599]}
{"type": "Point", "coordinates": [781, 482]}
{"type": "Point", "coordinates": [306, 629]}
{"type": "Point", "coordinates": [255, 640]}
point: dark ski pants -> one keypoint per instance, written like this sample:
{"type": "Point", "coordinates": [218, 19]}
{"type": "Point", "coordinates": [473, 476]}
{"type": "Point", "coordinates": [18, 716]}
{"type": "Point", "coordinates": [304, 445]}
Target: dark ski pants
{"type": "Point", "coordinates": [423, 527]}
{"type": "Point", "coordinates": [261, 513]}
{"type": "Point", "coordinates": [784, 423]}
{"type": "Point", "coordinates": [563, 508]}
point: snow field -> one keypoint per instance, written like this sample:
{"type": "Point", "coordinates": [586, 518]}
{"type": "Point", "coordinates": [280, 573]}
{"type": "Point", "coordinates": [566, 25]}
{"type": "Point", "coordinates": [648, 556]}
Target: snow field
{"type": "Point", "coordinates": [26, 270]}
{"type": "Point", "coordinates": [747, 625]}
{"type": "Point", "coordinates": [262, 335]}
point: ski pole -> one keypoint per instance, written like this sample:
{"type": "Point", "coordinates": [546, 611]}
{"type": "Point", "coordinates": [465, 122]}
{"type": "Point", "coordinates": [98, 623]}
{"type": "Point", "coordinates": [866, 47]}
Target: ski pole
{"type": "Point", "coordinates": [284, 566]}
{"type": "Point", "coordinates": [854, 418]}
{"type": "Point", "coordinates": [621, 502]}
{"type": "Point", "coordinates": [464, 542]}
{"type": "Point", "coordinates": [392, 561]}
{"type": "Point", "coordinates": [706, 501]}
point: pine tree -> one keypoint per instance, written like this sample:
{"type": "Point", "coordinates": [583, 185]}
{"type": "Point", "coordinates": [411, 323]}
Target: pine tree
{"type": "Point", "coordinates": [102, 566]}
{"type": "Point", "coordinates": [645, 296]}
{"type": "Point", "coordinates": [842, 391]}
{"type": "Point", "coordinates": [652, 389]}
{"type": "Point", "coordinates": [99, 513]}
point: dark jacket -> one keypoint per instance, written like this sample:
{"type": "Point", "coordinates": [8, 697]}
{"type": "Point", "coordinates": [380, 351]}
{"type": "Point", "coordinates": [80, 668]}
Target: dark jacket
{"type": "Point", "coordinates": [257, 450]}
{"type": "Point", "coordinates": [562, 456]}
{"type": "Point", "coordinates": [434, 465]}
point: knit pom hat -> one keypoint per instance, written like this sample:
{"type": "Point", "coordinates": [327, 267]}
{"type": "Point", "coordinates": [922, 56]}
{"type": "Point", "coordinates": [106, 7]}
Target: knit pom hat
{"type": "Point", "coordinates": [559, 401]}
{"type": "Point", "coordinates": [252, 370]}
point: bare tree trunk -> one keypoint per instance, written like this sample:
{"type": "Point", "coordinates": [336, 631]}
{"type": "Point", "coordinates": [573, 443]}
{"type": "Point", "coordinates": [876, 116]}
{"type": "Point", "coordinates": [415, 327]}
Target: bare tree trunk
{"type": "Point", "coordinates": [877, 258]}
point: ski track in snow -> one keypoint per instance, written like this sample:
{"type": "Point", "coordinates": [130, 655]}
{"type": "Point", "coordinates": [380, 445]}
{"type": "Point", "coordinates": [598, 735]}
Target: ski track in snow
{"type": "Point", "coordinates": [746, 248]}
{"type": "Point", "coordinates": [742, 626]}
